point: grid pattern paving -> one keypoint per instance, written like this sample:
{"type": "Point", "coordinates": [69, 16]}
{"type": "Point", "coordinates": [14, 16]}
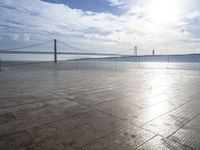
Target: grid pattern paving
{"type": "Point", "coordinates": [44, 106]}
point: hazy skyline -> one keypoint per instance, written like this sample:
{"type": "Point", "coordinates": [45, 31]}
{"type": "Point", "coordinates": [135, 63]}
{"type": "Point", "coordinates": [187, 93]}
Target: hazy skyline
{"type": "Point", "coordinates": [168, 26]}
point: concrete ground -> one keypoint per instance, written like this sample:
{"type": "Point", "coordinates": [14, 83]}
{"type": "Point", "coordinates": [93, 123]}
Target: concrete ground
{"type": "Point", "coordinates": [47, 107]}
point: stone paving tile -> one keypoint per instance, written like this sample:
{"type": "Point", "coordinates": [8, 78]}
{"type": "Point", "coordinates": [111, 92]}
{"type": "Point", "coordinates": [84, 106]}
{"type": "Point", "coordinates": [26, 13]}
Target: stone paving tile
{"type": "Point", "coordinates": [70, 140]}
{"type": "Point", "coordinates": [126, 138]}
{"type": "Point", "coordinates": [16, 100]}
{"type": "Point", "coordinates": [33, 117]}
{"type": "Point", "coordinates": [22, 107]}
{"type": "Point", "coordinates": [101, 106]}
{"type": "Point", "coordinates": [72, 110]}
{"type": "Point", "coordinates": [57, 101]}
{"type": "Point", "coordinates": [133, 112]}
{"type": "Point", "coordinates": [63, 106]}
{"type": "Point", "coordinates": [5, 118]}
{"type": "Point", "coordinates": [171, 122]}
{"type": "Point", "coordinates": [44, 97]}
{"type": "Point", "coordinates": [136, 99]}
{"type": "Point", "coordinates": [15, 141]}
{"type": "Point", "coordinates": [92, 99]}
{"type": "Point", "coordinates": [189, 135]}
{"type": "Point", "coordinates": [94, 119]}
{"type": "Point", "coordinates": [74, 132]}
{"type": "Point", "coordinates": [19, 125]}
{"type": "Point", "coordinates": [159, 143]}
{"type": "Point", "coordinates": [72, 93]}
{"type": "Point", "coordinates": [1, 106]}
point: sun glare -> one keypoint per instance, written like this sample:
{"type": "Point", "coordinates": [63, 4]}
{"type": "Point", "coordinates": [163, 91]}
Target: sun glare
{"type": "Point", "coordinates": [164, 11]}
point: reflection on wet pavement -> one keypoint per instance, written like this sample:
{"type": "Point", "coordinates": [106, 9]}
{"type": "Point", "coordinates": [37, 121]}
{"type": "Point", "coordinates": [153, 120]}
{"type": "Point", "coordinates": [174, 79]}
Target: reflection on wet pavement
{"type": "Point", "coordinates": [43, 107]}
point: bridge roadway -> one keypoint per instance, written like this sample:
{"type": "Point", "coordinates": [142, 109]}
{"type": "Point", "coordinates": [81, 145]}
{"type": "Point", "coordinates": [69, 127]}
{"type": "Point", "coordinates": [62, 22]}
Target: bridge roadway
{"type": "Point", "coordinates": [63, 53]}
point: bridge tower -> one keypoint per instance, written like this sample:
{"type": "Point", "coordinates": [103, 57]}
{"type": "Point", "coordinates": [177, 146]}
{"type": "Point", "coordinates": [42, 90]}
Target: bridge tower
{"type": "Point", "coordinates": [153, 52]}
{"type": "Point", "coordinates": [135, 51]}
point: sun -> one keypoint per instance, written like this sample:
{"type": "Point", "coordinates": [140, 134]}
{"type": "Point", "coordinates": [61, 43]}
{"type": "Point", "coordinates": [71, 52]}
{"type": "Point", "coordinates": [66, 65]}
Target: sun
{"type": "Point", "coordinates": [164, 11]}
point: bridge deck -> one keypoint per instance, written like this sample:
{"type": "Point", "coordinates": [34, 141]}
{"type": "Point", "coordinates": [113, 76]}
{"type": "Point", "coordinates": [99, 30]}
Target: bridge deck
{"type": "Point", "coordinates": [44, 107]}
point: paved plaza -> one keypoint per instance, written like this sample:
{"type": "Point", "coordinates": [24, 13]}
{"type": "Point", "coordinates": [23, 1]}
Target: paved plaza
{"type": "Point", "coordinates": [48, 107]}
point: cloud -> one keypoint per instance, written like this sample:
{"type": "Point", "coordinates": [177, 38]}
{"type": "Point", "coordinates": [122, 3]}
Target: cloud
{"type": "Point", "coordinates": [38, 20]}
{"type": "Point", "coordinates": [116, 2]}
{"type": "Point", "coordinates": [193, 15]}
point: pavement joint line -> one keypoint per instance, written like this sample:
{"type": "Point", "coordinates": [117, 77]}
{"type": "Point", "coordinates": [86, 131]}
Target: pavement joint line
{"type": "Point", "coordinates": [46, 123]}
{"type": "Point", "coordinates": [95, 109]}
{"type": "Point", "coordinates": [168, 112]}
{"type": "Point", "coordinates": [74, 130]}
{"type": "Point", "coordinates": [126, 120]}
{"type": "Point", "coordinates": [82, 91]}
{"type": "Point", "coordinates": [15, 133]}
{"type": "Point", "coordinates": [29, 135]}
{"type": "Point", "coordinates": [145, 128]}
{"type": "Point", "coordinates": [181, 144]}
{"type": "Point", "coordinates": [147, 141]}
{"type": "Point", "coordinates": [185, 124]}
{"type": "Point", "coordinates": [27, 103]}
{"type": "Point", "coordinates": [164, 137]}
{"type": "Point", "coordinates": [100, 138]}
{"type": "Point", "coordinates": [109, 100]}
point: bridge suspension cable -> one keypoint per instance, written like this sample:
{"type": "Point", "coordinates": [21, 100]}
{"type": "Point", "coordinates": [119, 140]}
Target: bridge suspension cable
{"type": "Point", "coordinates": [26, 47]}
{"type": "Point", "coordinates": [120, 52]}
{"type": "Point", "coordinates": [61, 42]}
{"type": "Point", "coordinates": [73, 47]}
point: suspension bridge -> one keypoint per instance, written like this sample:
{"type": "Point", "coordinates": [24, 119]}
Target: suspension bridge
{"type": "Point", "coordinates": [122, 58]}
{"type": "Point", "coordinates": [78, 51]}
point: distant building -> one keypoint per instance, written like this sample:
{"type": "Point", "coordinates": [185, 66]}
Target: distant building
{"type": "Point", "coordinates": [153, 52]}
{"type": "Point", "coordinates": [135, 50]}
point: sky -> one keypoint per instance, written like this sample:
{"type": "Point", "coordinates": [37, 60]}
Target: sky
{"type": "Point", "coordinates": [168, 26]}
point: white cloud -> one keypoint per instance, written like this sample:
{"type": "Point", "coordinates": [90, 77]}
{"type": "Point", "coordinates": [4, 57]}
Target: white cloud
{"type": "Point", "coordinates": [116, 2]}
{"type": "Point", "coordinates": [26, 37]}
{"type": "Point", "coordinates": [193, 15]}
{"type": "Point", "coordinates": [34, 19]}
{"type": "Point", "coordinates": [15, 37]}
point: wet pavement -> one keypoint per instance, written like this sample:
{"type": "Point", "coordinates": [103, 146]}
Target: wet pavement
{"type": "Point", "coordinates": [47, 107]}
